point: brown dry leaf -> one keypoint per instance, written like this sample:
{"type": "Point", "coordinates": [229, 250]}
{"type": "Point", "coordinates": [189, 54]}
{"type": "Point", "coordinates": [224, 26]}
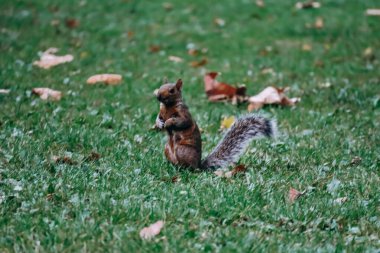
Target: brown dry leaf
{"type": "Point", "coordinates": [220, 22]}
{"type": "Point", "coordinates": [373, 12]}
{"type": "Point", "coordinates": [192, 51]}
{"type": "Point", "coordinates": [217, 91]}
{"type": "Point", "coordinates": [94, 156]}
{"type": "Point", "coordinates": [109, 79]}
{"type": "Point", "coordinates": [49, 59]}
{"type": "Point", "coordinates": [63, 160]}
{"type": "Point", "coordinates": [319, 24]}
{"type": "Point", "coordinates": [271, 95]}
{"type": "Point", "coordinates": [227, 122]}
{"type": "Point", "coordinates": [294, 194]}
{"type": "Point", "coordinates": [175, 59]}
{"type": "Point", "coordinates": [196, 64]}
{"type": "Point", "coordinates": [72, 23]}
{"type": "Point", "coordinates": [154, 48]}
{"type": "Point", "coordinates": [240, 169]}
{"type": "Point", "coordinates": [308, 5]}
{"type": "Point", "coordinates": [154, 229]}
{"type": "Point", "coordinates": [306, 47]}
{"type": "Point", "coordinates": [4, 91]}
{"type": "Point", "coordinates": [260, 3]}
{"type": "Point", "coordinates": [47, 93]}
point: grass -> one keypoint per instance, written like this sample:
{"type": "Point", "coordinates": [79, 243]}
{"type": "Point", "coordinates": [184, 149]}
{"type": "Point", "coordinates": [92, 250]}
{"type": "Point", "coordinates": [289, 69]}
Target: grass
{"type": "Point", "coordinates": [101, 205]}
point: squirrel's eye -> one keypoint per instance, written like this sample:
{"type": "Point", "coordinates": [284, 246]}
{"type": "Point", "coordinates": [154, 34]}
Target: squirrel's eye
{"type": "Point", "coordinates": [171, 91]}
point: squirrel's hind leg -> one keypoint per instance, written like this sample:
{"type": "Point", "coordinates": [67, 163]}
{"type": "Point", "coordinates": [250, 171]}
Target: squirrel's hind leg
{"type": "Point", "coordinates": [188, 156]}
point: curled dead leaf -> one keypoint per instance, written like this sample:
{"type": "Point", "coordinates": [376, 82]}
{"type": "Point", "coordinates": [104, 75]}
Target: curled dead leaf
{"type": "Point", "coordinates": [151, 231]}
{"type": "Point", "coordinates": [217, 91]}
{"type": "Point", "coordinates": [271, 95]}
{"type": "Point", "coordinates": [48, 59]}
{"type": "Point", "coordinates": [293, 195]}
{"type": "Point", "coordinates": [196, 64]}
{"type": "Point", "coordinates": [109, 79]}
{"type": "Point", "coordinates": [47, 93]}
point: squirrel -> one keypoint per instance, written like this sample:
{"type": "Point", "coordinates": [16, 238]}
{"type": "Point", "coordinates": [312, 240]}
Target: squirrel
{"type": "Point", "coordinates": [184, 146]}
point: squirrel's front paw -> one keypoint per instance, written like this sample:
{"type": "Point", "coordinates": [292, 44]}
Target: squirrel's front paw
{"type": "Point", "coordinates": [159, 123]}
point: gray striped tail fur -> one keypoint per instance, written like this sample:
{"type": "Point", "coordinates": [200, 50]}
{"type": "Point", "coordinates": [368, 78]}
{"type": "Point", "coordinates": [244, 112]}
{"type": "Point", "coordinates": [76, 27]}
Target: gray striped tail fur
{"type": "Point", "coordinates": [236, 140]}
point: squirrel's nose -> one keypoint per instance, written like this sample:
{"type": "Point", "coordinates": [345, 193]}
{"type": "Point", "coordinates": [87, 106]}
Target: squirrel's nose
{"type": "Point", "coordinates": [155, 92]}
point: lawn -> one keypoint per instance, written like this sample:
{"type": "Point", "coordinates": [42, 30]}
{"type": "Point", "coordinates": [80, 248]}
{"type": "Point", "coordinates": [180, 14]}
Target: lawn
{"type": "Point", "coordinates": [116, 179]}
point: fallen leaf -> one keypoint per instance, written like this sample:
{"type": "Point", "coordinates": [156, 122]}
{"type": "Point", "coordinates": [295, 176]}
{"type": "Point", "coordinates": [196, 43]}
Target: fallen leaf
{"type": "Point", "coordinates": [271, 95]}
{"type": "Point", "coordinates": [154, 229]}
{"type": "Point", "coordinates": [240, 169]}
{"type": "Point", "coordinates": [72, 23]}
{"type": "Point", "coordinates": [306, 47]}
{"type": "Point", "coordinates": [227, 122]}
{"type": "Point", "coordinates": [192, 51]}
{"type": "Point", "coordinates": [293, 195]}
{"type": "Point", "coordinates": [260, 3]}
{"type": "Point", "coordinates": [47, 93]}
{"type": "Point", "coordinates": [109, 79]}
{"type": "Point", "coordinates": [308, 5]}
{"type": "Point", "coordinates": [93, 156]}
{"type": "Point", "coordinates": [217, 91]}
{"type": "Point", "coordinates": [63, 160]}
{"type": "Point", "coordinates": [175, 59]}
{"type": "Point", "coordinates": [196, 64]}
{"type": "Point", "coordinates": [319, 24]}
{"type": "Point", "coordinates": [154, 48]}
{"type": "Point", "coordinates": [49, 59]}
{"type": "Point", "coordinates": [4, 91]}
{"type": "Point", "coordinates": [220, 22]}
{"type": "Point", "coordinates": [373, 12]}
{"type": "Point", "coordinates": [340, 200]}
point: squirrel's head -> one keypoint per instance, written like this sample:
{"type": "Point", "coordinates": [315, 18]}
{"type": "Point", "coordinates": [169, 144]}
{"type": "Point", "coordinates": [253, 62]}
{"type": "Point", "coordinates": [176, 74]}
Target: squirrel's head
{"type": "Point", "coordinates": [169, 93]}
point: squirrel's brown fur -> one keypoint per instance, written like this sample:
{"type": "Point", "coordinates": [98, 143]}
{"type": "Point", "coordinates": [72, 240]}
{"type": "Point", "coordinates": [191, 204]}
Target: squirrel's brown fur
{"type": "Point", "coordinates": [184, 146]}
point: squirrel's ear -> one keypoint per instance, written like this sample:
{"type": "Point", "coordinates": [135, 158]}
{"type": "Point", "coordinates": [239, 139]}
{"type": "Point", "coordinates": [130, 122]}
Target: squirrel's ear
{"type": "Point", "coordinates": [178, 84]}
{"type": "Point", "coordinates": [165, 80]}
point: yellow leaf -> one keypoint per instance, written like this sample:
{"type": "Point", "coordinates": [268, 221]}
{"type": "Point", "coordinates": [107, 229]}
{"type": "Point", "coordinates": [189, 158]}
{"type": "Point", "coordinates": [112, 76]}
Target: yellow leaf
{"type": "Point", "coordinates": [227, 122]}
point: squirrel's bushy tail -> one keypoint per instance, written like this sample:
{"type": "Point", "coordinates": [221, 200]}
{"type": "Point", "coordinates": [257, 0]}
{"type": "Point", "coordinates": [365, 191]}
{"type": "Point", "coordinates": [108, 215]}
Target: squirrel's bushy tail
{"type": "Point", "coordinates": [237, 139]}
